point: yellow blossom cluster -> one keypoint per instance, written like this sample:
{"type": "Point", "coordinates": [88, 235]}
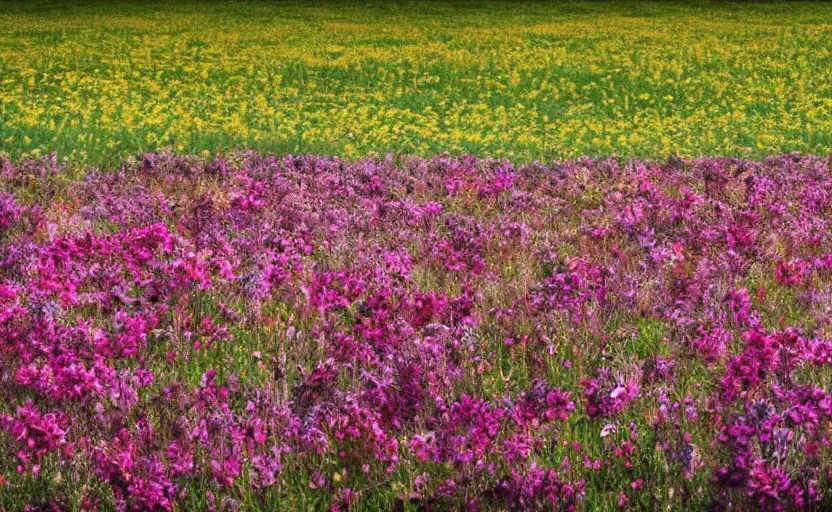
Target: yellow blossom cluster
{"type": "Point", "coordinates": [527, 80]}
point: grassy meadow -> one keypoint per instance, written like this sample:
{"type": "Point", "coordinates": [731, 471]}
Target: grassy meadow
{"type": "Point", "coordinates": [415, 256]}
{"type": "Point", "coordinates": [99, 81]}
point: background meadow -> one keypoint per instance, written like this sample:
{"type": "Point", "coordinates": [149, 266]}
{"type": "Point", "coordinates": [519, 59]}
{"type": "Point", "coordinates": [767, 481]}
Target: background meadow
{"type": "Point", "coordinates": [99, 81]}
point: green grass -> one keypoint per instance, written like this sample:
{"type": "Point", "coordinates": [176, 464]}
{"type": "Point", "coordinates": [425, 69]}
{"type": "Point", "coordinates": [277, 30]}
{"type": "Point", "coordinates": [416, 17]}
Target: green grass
{"type": "Point", "coordinates": [99, 81]}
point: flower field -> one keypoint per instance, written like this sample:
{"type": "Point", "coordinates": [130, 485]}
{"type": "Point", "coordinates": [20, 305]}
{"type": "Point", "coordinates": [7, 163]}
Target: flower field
{"type": "Point", "coordinates": [100, 81]}
{"type": "Point", "coordinates": [593, 272]}
{"type": "Point", "coordinates": [261, 333]}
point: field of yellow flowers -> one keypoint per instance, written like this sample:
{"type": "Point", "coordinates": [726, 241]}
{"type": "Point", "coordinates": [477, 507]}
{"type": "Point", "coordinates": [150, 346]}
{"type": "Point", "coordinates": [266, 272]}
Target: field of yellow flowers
{"type": "Point", "coordinates": [97, 82]}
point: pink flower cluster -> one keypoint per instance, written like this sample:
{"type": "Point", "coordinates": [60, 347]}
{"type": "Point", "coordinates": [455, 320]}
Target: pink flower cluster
{"type": "Point", "coordinates": [259, 332]}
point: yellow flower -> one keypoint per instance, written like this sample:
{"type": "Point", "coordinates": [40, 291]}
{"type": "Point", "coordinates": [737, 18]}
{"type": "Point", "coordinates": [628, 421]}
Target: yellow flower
{"type": "Point", "coordinates": [360, 81]}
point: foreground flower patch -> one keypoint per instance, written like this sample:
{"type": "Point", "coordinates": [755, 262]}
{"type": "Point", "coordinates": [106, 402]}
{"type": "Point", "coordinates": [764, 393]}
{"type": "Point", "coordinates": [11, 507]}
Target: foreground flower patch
{"type": "Point", "coordinates": [307, 333]}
